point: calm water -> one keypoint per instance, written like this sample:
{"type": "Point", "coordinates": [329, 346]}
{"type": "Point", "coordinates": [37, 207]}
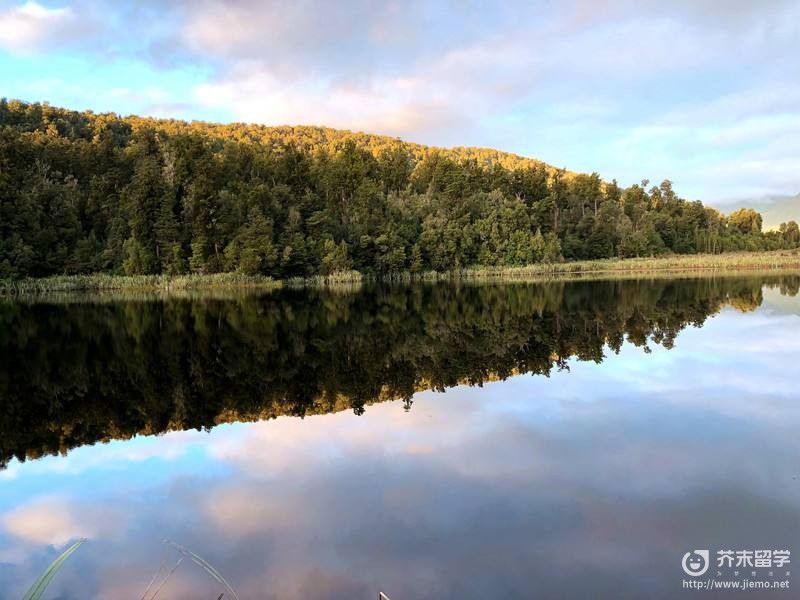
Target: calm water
{"type": "Point", "coordinates": [589, 435]}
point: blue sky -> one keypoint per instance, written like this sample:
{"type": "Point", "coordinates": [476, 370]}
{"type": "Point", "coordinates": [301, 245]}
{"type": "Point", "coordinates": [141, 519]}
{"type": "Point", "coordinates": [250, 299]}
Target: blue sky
{"type": "Point", "coordinates": [704, 92]}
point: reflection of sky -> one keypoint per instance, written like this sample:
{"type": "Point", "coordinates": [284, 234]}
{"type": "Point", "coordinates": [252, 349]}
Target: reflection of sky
{"type": "Point", "coordinates": [590, 483]}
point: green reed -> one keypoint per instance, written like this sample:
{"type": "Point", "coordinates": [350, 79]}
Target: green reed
{"type": "Point", "coordinates": [101, 282]}
{"type": "Point", "coordinates": [157, 582]}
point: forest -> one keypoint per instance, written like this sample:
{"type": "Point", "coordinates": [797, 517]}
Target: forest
{"type": "Point", "coordinates": [114, 369]}
{"type": "Point", "coordinates": [85, 193]}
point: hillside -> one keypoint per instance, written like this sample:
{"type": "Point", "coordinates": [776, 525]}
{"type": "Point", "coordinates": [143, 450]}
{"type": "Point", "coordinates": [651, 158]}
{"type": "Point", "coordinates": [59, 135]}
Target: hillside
{"type": "Point", "coordinates": [83, 192]}
{"type": "Point", "coordinates": [781, 210]}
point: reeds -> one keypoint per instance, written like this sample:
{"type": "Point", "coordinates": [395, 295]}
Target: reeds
{"type": "Point", "coordinates": [205, 565]}
{"type": "Point", "coordinates": [352, 280]}
{"type": "Point", "coordinates": [38, 588]}
{"type": "Point", "coordinates": [153, 588]}
{"type": "Point", "coordinates": [104, 282]}
{"type": "Point", "coordinates": [738, 261]}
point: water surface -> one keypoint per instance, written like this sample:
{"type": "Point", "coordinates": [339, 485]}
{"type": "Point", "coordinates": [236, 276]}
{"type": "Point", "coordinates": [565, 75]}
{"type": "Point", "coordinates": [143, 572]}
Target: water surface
{"type": "Point", "coordinates": [590, 434]}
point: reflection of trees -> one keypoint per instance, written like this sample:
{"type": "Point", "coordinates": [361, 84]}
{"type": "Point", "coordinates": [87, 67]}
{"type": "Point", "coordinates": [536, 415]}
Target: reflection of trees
{"type": "Point", "coordinates": [74, 374]}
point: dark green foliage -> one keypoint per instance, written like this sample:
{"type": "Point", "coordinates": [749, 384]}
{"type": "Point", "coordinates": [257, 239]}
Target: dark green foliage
{"type": "Point", "coordinates": [82, 193]}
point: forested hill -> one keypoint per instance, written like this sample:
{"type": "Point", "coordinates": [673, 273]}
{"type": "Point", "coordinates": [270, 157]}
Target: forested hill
{"type": "Point", "coordinates": [309, 138]}
{"type": "Point", "coordinates": [83, 192]}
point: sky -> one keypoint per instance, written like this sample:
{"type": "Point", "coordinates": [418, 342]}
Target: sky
{"type": "Point", "coordinates": [703, 92]}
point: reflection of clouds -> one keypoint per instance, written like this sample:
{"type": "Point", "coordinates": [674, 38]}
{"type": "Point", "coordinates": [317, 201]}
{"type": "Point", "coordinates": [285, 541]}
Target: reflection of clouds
{"type": "Point", "coordinates": [619, 425]}
{"type": "Point", "coordinates": [316, 583]}
{"type": "Point", "coordinates": [45, 521]}
{"type": "Point", "coordinates": [114, 455]}
{"type": "Point", "coordinates": [236, 511]}
{"type": "Point", "coordinates": [273, 447]}
{"type": "Point", "coordinates": [55, 520]}
{"type": "Point", "coordinates": [632, 408]}
{"type": "Point", "coordinates": [746, 368]}
{"type": "Point", "coordinates": [606, 468]}
{"type": "Point", "coordinates": [590, 483]}
{"type": "Point", "coordinates": [782, 304]}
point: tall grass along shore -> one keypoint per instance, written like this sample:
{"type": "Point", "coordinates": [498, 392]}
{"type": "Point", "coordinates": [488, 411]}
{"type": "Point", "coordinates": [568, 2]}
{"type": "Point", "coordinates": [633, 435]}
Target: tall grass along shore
{"type": "Point", "coordinates": [100, 282]}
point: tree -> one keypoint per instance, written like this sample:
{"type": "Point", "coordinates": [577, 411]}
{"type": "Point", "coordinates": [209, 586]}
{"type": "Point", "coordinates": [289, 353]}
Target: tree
{"type": "Point", "coordinates": [252, 250]}
{"type": "Point", "coordinates": [746, 221]}
{"type": "Point", "coordinates": [335, 258]}
{"type": "Point", "coordinates": [791, 234]}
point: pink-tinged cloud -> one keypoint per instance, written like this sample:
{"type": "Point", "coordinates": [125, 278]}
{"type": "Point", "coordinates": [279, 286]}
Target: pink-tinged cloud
{"type": "Point", "coordinates": [55, 520]}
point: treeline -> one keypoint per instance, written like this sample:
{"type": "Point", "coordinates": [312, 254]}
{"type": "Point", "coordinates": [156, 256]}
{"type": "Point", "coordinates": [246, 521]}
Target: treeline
{"type": "Point", "coordinates": [108, 370]}
{"type": "Point", "coordinates": [82, 192]}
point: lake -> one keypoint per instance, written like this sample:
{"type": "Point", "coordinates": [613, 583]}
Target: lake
{"type": "Point", "coordinates": [568, 439]}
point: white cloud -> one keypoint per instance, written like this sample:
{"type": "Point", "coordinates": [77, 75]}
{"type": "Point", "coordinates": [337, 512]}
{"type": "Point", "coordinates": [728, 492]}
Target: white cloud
{"type": "Point", "coordinates": [738, 145]}
{"type": "Point", "coordinates": [31, 27]}
{"type": "Point", "coordinates": [395, 106]}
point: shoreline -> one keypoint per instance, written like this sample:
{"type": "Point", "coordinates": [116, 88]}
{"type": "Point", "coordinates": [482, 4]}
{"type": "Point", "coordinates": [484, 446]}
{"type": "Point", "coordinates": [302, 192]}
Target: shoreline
{"type": "Point", "coordinates": [699, 264]}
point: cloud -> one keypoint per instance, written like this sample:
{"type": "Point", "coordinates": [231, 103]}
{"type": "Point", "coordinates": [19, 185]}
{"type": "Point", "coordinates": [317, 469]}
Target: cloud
{"type": "Point", "coordinates": [386, 105]}
{"type": "Point", "coordinates": [237, 512]}
{"type": "Point", "coordinates": [504, 81]}
{"type": "Point", "coordinates": [738, 145]}
{"type": "Point", "coordinates": [56, 520]}
{"type": "Point", "coordinates": [354, 39]}
{"type": "Point", "coordinates": [279, 34]}
{"type": "Point", "coordinates": [32, 27]}
{"type": "Point", "coordinates": [44, 521]}
{"type": "Point", "coordinates": [698, 91]}
{"type": "Point", "coordinates": [367, 66]}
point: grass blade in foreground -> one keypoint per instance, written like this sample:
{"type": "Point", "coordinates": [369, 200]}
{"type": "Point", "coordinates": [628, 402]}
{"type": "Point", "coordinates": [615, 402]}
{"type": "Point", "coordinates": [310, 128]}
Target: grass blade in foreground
{"type": "Point", "coordinates": [40, 585]}
{"type": "Point", "coordinates": [203, 563]}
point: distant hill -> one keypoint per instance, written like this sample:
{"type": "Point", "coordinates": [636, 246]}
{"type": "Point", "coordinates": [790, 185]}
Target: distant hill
{"type": "Point", "coordinates": [774, 209]}
{"type": "Point", "coordinates": [781, 211]}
